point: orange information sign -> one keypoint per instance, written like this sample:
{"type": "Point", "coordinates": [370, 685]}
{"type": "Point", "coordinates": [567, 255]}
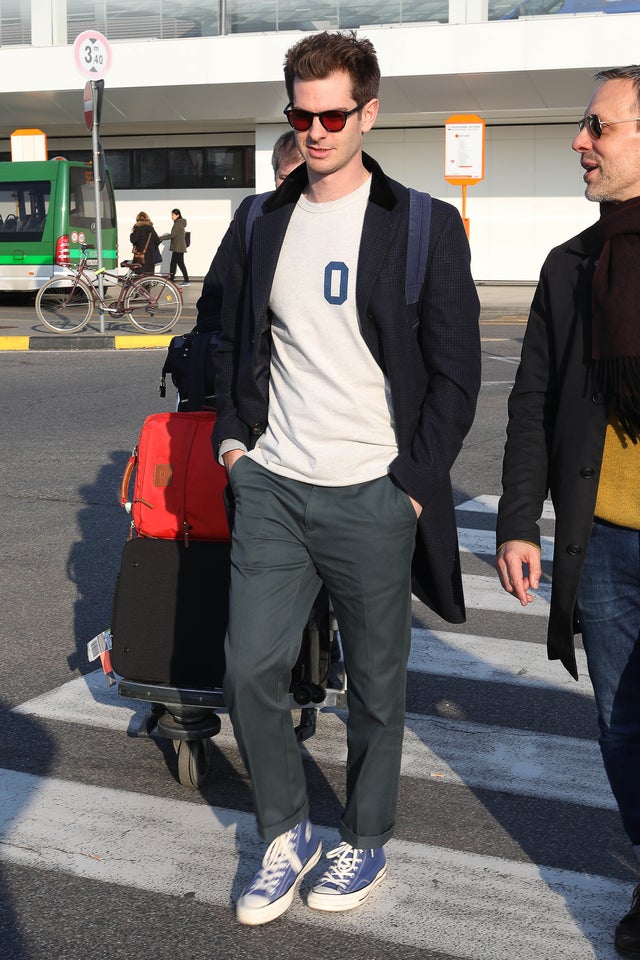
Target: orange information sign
{"type": "Point", "coordinates": [464, 136]}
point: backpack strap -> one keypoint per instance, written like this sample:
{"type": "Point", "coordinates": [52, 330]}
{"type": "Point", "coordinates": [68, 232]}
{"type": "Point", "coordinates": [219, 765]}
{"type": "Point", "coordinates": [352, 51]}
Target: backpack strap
{"type": "Point", "coordinates": [417, 244]}
{"type": "Point", "coordinates": [255, 210]}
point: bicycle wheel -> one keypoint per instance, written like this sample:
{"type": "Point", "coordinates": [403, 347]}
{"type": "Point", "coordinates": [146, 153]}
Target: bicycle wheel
{"type": "Point", "coordinates": [153, 304]}
{"type": "Point", "coordinates": [63, 308]}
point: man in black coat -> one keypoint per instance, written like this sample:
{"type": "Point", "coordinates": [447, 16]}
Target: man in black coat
{"type": "Point", "coordinates": [574, 425]}
{"type": "Point", "coordinates": [341, 410]}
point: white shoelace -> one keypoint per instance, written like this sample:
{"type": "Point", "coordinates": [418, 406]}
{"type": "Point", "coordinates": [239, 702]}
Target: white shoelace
{"type": "Point", "coordinates": [280, 855]}
{"type": "Point", "coordinates": [347, 860]}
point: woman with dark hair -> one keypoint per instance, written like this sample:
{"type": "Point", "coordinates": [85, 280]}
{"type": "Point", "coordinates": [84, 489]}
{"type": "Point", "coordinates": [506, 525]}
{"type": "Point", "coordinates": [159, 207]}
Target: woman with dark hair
{"type": "Point", "coordinates": [145, 240]}
{"type": "Point", "coordinates": [178, 246]}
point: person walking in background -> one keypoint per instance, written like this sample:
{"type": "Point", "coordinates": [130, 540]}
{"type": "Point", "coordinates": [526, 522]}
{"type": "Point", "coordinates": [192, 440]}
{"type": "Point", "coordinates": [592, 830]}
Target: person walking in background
{"type": "Point", "coordinates": [177, 246]}
{"type": "Point", "coordinates": [574, 426]}
{"type": "Point", "coordinates": [341, 410]}
{"type": "Point", "coordinates": [285, 156]}
{"type": "Point", "coordinates": [145, 241]}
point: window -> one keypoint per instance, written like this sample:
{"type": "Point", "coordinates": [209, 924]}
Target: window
{"type": "Point", "coordinates": [172, 168]}
{"type": "Point", "coordinates": [230, 167]}
{"type": "Point", "coordinates": [185, 167]}
{"type": "Point", "coordinates": [15, 22]}
{"type": "Point", "coordinates": [181, 168]}
{"type": "Point", "coordinates": [23, 209]}
{"type": "Point", "coordinates": [82, 201]}
{"type": "Point", "coordinates": [120, 163]}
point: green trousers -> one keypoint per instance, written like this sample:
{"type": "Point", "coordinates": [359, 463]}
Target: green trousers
{"type": "Point", "coordinates": [288, 538]}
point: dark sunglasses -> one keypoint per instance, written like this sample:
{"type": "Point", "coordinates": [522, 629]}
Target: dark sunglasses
{"type": "Point", "coordinates": [332, 120]}
{"type": "Point", "coordinates": [594, 124]}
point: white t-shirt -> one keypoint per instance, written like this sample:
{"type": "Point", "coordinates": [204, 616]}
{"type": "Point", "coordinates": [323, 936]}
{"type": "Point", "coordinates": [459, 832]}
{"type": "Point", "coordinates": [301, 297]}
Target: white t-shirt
{"type": "Point", "coordinates": [330, 415]}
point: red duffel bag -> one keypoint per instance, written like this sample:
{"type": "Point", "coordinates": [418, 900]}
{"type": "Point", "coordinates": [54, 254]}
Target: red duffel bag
{"type": "Point", "coordinates": [177, 489]}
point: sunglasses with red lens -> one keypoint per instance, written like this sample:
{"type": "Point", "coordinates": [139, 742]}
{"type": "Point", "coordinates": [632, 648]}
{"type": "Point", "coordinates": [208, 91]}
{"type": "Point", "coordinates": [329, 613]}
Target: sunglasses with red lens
{"type": "Point", "coordinates": [332, 120]}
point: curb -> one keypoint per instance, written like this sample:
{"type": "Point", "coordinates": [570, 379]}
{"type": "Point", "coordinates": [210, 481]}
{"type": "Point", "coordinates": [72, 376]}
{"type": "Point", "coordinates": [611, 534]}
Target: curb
{"type": "Point", "coordinates": [143, 341]}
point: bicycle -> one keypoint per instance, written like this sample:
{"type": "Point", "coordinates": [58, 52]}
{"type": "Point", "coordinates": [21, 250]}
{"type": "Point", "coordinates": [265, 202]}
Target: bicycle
{"type": "Point", "coordinates": [66, 304]}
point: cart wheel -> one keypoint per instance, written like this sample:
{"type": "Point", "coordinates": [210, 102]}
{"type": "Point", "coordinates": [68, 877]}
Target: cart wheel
{"type": "Point", "coordinates": [301, 693]}
{"type": "Point", "coordinates": [194, 757]}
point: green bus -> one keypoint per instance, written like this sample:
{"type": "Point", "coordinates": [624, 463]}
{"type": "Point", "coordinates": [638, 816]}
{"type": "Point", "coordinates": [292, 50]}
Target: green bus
{"type": "Point", "coordinates": [47, 209]}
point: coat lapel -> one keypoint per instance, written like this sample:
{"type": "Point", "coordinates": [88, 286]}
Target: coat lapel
{"type": "Point", "coordinates": [378, 236]}
{"type": "Point", "coordinates": [268, 236]}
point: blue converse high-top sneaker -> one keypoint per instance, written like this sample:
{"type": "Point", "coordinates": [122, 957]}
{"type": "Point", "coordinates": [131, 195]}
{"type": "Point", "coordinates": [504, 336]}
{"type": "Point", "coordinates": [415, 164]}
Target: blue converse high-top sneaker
{"type": "Point", "coordinates": [349, 881]}
{"type": "Point", "coordinates": [287, 860]}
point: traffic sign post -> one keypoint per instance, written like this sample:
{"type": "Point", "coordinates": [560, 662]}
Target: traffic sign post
{"type": "Point", "coordinates": [92, 55]}
{"type": "Point", "coordinates": [464, 147]}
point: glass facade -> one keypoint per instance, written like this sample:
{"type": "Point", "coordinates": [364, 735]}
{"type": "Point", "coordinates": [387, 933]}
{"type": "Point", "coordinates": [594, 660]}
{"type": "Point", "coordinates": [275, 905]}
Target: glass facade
{"type": "Point", "coordinates": [170, 19]}
{"type": "Point", "coordinates": [147, 19]}
{"type": "Point", "coordinates": [15, 22]}
{"type": "Point", "coordinates": [244, 16]}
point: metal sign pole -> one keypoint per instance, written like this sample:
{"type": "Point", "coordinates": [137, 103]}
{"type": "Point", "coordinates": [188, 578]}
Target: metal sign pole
{"type": "Point", "coordinates": [96, 90]}
{"type": "Point", "coordinates": [92, 55]}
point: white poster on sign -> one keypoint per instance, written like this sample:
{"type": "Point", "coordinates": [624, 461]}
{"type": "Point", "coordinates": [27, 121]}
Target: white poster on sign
{"type": "Point", "coordinates": [464, 151]}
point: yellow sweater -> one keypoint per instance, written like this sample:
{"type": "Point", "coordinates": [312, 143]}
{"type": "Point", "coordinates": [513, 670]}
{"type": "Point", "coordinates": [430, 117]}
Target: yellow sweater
{"type": "Point", "coordinates": [619, 487]}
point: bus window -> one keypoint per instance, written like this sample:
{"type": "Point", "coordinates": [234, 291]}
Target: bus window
{"type": "Point", "coordinates": [23, 210]}
{"type": "Point", "coordinates": [82, 201]}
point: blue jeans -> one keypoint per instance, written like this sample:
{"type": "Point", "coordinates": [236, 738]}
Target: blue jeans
{"type": "Point", "coordinates": [609, 610]}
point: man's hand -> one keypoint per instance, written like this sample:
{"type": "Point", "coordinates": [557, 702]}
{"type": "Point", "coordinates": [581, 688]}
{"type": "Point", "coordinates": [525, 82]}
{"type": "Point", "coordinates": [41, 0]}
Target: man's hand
{"type": "Point", "coordinates": [230, 457]}
{"type": "Point", "coordinates": [519, 568]}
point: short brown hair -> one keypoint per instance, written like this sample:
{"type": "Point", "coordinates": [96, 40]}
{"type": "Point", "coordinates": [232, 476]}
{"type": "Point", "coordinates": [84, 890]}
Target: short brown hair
{"type": "Point", "coordinates": [321, 54]}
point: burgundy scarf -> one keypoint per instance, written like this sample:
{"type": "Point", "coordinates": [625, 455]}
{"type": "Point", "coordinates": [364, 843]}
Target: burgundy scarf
{"type": "Point", "coordinates": [616, 314]}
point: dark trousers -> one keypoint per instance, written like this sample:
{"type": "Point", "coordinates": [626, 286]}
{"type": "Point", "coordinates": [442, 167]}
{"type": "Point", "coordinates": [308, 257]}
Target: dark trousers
{"type": "Point", "coordinates": [288, 538]}
{"type": "Point", "coordinates": [177, 260]}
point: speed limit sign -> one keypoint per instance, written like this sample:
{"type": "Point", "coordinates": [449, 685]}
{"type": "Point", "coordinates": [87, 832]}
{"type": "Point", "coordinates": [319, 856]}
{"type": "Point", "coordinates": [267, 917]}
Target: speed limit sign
{"type": "Point", "coordinates": [92, 54]}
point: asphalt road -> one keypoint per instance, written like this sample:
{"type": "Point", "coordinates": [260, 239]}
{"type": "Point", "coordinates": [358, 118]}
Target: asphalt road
{"type": "Point", "coordinates": [507, 842]}
{"type": "Point", "coordinates": [18, 317]}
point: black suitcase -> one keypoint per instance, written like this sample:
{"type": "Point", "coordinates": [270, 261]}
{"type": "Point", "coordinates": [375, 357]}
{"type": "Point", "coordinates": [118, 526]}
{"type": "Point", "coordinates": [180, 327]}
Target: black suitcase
{"type": "Point", "coordinates": [168, 624]}
{"type": "Point", "coordinates": [169, 614]}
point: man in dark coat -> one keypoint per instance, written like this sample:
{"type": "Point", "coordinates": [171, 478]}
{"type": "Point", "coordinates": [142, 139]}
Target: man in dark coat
{"type": "Point", "coordinates": [341, 410]}
{"type": "Point", "coordinates": [574, 424]}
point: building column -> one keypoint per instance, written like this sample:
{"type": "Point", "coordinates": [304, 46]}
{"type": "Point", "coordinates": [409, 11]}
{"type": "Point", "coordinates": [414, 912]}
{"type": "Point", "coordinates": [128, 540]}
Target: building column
{"type": "Point", "coordinates": [468, 11]}
{"type": "Point", "coordinates": [48, 23]}
{"type": "Point", "coordinates": [266, 136]}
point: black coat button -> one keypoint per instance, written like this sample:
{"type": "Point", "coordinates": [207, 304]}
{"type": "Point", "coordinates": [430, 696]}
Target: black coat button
{"type": "Point", "coordinates": [596, 398]}
{"type": "Point", "coordinates": [574, 549]}
{"type": "Point", "coordinates": [257, 429]}
{"type": "Point", "coordinates": [587, 472]}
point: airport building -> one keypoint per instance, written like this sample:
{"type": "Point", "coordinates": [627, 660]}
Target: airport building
{"type": "Point", "coordinates": [193, 102]}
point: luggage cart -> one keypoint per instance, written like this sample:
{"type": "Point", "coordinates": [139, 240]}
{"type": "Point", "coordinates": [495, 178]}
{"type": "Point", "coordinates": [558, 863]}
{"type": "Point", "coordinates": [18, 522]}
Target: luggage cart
{"type": "Point", "coordinates": [170, 604]}
{"type": "Point", "coordinates": [168, 625]}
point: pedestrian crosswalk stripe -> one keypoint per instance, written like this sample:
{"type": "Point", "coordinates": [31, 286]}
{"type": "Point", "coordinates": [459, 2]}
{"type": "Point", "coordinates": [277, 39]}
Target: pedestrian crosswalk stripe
{"type": "Point", "coordinates": [488, 503]}
{"type": "Point", "coordinates": [507, 908]}
{"type": "Point", "coordinates": [486, 593]}
{"type": "Point", "coordinates": [501, 758]}
{"type": "Point", "coordinates": [88, 700]}
{"type": "Point", "coordinates": [483, 543]}
{"type": "Point", "coordinates": [472, 657]}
